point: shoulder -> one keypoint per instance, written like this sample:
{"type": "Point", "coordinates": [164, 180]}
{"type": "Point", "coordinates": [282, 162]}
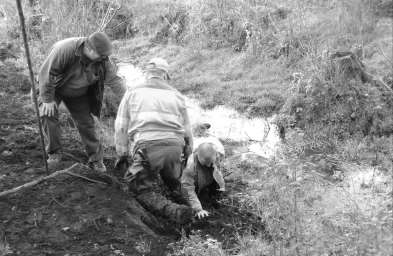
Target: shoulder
{"type": "Point", "coordinates": [71, 43]}
{"type": "Point", "coordinates": [189, 170]}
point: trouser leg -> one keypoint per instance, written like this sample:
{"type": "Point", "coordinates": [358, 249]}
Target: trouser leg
{"type": "Point", "coordinates": [52, 132]}
{"type": "Point", "coordinates": [79, 109]}
{"type": "Point", "coordinates": [168, 158]}
{"type": "Point", "coordinates": [144, 177]}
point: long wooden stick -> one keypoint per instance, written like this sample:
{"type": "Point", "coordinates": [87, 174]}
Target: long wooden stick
{"type": "Point", "coordinates": [57, 173]}
{"type": "Point", "coordinates": [23, 28]}
{"type": "Point", "coordinates": [35, 182]}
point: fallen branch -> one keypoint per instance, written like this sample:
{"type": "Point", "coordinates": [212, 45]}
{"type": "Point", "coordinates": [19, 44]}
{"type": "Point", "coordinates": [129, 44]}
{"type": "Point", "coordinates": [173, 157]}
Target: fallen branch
{"type": "Point", "coordinates": [85, 178]}
{"type": "Point", "coordinates": [37, 181]}
{"type": "Point", "coordinates": [57, 173]}
{"type": "Point", "coordinates": [69, 155]}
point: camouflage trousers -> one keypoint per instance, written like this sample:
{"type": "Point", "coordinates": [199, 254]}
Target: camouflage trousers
{"type": "Point", "coordinates": [157, 164]}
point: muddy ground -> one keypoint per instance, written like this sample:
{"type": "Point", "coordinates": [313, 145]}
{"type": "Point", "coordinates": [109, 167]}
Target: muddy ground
{"type": "Point", "coordinates": [67, 215]}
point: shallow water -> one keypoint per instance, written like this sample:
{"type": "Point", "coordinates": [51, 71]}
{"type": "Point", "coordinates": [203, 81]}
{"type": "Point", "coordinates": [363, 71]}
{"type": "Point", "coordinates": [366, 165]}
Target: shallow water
{"type": "Point", "coordinates": [259, 135]}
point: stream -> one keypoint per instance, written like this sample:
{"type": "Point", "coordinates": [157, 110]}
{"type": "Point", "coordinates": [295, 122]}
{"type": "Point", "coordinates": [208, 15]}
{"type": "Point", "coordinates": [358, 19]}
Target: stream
{"type": "Point", "coordinates": [257, 136]}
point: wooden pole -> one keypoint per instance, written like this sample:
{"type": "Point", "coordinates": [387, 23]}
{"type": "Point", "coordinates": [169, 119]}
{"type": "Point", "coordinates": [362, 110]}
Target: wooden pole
{"type": "Point", "coordinates": [23, 29]}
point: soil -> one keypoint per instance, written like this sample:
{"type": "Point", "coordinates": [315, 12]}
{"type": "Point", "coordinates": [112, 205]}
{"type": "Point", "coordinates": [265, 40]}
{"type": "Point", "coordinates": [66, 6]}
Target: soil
{"type": "Point", "coordinates": [67, 215]}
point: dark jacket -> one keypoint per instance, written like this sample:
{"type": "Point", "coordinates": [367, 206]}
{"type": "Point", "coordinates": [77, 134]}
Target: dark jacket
{"type": "Point", "coordinates": [57, 70]}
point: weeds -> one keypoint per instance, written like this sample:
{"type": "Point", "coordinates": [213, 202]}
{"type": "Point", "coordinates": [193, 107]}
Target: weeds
{"type": "Point", "coordinates": [196, 245]}
{"type": "Point", "coordinates": [5, 248]}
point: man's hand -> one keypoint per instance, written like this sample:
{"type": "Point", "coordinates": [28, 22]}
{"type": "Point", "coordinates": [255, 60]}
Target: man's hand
{"type": "Point", "coordinates": [202, 214]}
{"type": "Point", "coordinates": [48, 109]}
{"type": "Point", "coordinates": [187, 151]}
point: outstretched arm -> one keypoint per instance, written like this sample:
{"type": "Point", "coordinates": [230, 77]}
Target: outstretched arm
{"type": "Point", "coordinates": [121, 127]}
{"type": "Point", "coordinates": [188, 189]}
{"type": "Point", "coordinates": [188, 134]}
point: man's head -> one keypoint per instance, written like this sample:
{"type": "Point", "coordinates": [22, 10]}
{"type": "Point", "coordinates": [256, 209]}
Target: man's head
{"type": "Point", "coordinates": [98, 46]}
{"type": "Point", "coordinates": [158, 67]}
{"type": "Point", "coordinates": [206, 154]}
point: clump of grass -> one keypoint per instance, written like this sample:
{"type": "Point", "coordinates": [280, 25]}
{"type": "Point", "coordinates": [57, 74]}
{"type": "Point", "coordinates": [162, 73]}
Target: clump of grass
{"type": "Point", "coordinates": [5, 248]}
{"type": "Point", "coordinates": [196, 245]}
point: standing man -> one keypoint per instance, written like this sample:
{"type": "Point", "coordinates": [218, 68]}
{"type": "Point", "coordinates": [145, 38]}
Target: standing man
{"type": "Point", "coordinates": [75, 72]}
{"type": "Point", "coordinates": [152, 122]}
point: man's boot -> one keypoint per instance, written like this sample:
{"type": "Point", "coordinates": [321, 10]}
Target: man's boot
{"type": "Point", "coordinates": [158, 203]}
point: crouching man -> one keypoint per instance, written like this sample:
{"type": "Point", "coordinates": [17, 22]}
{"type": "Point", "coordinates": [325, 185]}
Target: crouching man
{"type": "Point", "coordinates": [202, 176]}
{"type": "Point", "coordinates": [152, 117]}
{"type": "Point", "coordinates": [75, 72]}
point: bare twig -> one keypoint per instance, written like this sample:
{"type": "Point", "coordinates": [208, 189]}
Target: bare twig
{"type": "Point", "coordinates": [384, 55]}
{"type": "Point", "coordinates": [23, 28]}
{"type": "Point", "coordinates": [57, 173]}
{"type": "Point", "coordinates": [86, 178]}
{"type": "Point", "coordinates": [76, 159]}
{"type": "Point", "coordinates": [107, 18]}
{"type": "Point", "coordinates": [57, 202]}
{"type": "Point", "coordinates": [37, 181]}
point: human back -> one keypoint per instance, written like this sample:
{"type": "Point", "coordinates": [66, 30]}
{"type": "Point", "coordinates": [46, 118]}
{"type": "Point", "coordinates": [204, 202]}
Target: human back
{"type": "Point", "coordinates": [153, 126]}
{"type": "Point", "coordinates": [157, 111]}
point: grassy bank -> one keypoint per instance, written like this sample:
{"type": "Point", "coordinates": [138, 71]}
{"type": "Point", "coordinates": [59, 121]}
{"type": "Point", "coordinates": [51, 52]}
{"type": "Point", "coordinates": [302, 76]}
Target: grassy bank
{"type": "Point", "coordinates": [218, 77]}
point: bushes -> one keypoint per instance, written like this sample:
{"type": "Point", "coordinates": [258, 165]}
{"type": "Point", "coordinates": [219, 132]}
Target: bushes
{"type": "Point", "coordinates": [338, 103]}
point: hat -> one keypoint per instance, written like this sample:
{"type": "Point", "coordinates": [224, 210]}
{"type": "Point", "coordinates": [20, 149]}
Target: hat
{"type": "Point", "coordinates": [101, 43]}
{"type": "Point", "coordinates": [158, 63]}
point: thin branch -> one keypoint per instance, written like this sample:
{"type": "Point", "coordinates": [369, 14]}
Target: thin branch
{"type": "Point", "coordinates": [384, 55]}
{"type": "Point", "coordinates": [76, 159]}
{"type": "Point", "coordinates": [86, 178]}
{"type": "Point", "coordinates": [37, 181]}
{"type": "Point", "coordinates": [57, 173]}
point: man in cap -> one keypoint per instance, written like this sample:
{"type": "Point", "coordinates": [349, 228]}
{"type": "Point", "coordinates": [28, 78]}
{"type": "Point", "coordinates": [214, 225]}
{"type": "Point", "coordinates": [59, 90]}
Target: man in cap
{"type": "Point", "coordinates": [152, 122]}
{"type": "Point", "coordinates": [202, 175]}
{"type": "Point", "coordinates": [75, 72]}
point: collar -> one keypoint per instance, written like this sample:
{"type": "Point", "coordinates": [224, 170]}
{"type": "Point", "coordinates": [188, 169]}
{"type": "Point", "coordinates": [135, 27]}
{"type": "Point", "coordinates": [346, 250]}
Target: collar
{"type": "Point", "coordinates": [79, 46]}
